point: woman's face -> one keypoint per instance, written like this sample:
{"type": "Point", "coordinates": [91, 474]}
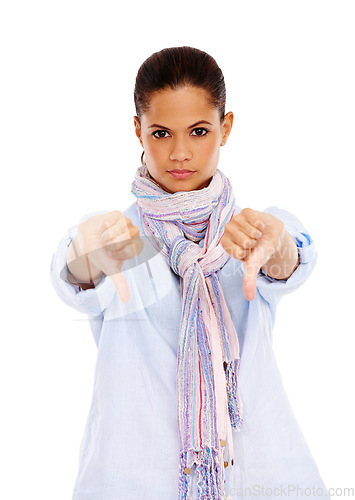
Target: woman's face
{"type": "Point", "coordinates": [182, 131]}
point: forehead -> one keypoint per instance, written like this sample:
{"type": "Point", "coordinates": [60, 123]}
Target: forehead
{"type": "Point", "coordinates": [181, 106]}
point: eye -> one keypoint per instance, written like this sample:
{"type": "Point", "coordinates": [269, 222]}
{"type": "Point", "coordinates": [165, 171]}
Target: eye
{"type": "Point", "coordinates": [199, 130]}
{"type": "Point", "coordinates": [159, 132]}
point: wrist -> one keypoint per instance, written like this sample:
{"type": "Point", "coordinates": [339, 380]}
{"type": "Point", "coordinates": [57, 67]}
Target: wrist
{"type": "Point", "coordinates": [285, 260]}
{"type": "Point", "coordinates": [80, 269]}
{"type": "Point", "coordinates": [93, 280]}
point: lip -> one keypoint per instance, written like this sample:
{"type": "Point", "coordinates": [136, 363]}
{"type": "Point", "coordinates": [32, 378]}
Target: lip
{"type": "Point", "coordinates": [181, 173]}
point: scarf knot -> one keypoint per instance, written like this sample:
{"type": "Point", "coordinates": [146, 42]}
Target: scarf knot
{"type": "Point", "coordinates": [184, 254]}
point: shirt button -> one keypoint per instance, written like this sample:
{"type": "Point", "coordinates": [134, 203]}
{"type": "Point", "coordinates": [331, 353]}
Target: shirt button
{"type": "Point", "coordinates": [187, 470]}
{"type": "Point", "coordinates": [223, 442]}
{"type": "Point", "coordinates": [225, 464]}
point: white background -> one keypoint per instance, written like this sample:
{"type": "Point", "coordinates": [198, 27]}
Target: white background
{"type": "Point", "coordinates": [68, 148]}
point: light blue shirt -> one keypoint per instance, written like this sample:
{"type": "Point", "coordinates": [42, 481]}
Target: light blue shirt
{"type": "Point", "coordinates": [130, 447]}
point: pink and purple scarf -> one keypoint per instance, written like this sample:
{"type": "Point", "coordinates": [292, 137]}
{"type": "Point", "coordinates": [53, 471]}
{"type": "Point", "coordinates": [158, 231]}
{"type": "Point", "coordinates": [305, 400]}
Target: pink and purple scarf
{"type": "Point", "coordinates": [208, 398]}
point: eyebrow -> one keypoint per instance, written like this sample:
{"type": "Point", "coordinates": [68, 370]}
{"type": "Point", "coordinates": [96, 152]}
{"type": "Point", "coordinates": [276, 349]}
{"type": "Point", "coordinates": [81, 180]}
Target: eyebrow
{"type": "Point", "coordinates": [191, 126]}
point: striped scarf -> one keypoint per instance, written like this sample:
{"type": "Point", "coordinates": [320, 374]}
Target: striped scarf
{"type": "Point", "coordinates": [208, 398]}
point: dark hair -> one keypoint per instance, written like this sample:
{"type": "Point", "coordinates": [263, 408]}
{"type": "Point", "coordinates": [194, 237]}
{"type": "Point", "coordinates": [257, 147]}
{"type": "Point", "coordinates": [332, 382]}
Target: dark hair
{"type": "Point", "coordinates": [176, 67]}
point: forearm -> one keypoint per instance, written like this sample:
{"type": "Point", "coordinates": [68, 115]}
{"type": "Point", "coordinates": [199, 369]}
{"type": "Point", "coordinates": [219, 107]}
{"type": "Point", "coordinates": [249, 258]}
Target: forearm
{"type": "Point", "coordinates": [285, 260]}
{"type": "Point", "coordinates": [78, 267]}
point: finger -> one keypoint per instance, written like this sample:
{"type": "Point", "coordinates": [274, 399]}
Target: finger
{"type": "Point", "coordinates": [125, 252]}
{"type": "Point", "coordinates": [242, 239]}
{"type": "Point", "coordinates": [253, 217]}
{"type": "Point", "coordinates": [233, 249]}
{"type": "Point", "coordinates": [117, 245]}
{"type": "Point", "coordinates": [251, 268]}
{"type": "Point", "coordinates": [126, 249]}
{"type": "Point", "coordinates": [110, 218]}
{"type": "Point", "coordinates": [257, 258]}
{"type": "Point", "coordinates": [249, 282]}
{"type": "Point", "coordinates": [249, 230]}
{"type": "Point", "coordinates": [112, 269]}
{"type": "Point", "coordinates": [104, 262]}
{"type": "Point", "coordinates": [118, 229]}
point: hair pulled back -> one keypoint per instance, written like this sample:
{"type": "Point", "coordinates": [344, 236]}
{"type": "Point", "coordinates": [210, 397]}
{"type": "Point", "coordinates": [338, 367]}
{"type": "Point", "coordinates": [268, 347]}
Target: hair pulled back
{"type": "Point", "coordinates": [176, 67]}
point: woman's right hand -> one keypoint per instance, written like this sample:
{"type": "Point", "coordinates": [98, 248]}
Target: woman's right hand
{"type": "Point", "coordinates": [108, 240]}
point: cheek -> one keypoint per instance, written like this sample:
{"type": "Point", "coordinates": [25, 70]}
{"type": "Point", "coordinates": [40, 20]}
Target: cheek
{"type": "Point", "coordinates": [210, 148]}
{"type": "Point", "coordinates": [154, 149]}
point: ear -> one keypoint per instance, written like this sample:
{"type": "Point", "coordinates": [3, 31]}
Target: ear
{"type": "Point", "coordinates": [138, 130]}
{"type": "Point", "coordinates": [226, 127]}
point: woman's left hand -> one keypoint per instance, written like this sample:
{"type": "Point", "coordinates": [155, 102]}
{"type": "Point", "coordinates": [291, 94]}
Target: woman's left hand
{"type": "Point", "coordinates": [256, 238]}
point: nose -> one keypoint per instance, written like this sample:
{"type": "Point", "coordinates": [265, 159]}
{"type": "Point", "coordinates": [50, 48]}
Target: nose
{"type": "Point", "coordinates": [180, 150]}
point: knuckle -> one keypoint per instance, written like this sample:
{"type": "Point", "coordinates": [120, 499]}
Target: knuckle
{"type": "Point", "coordinates": [238, 252]}
{"type": "Point", "coordinates": [256, 234]}
{"type": "Point", "coordinates": [119, 252]}
{"type": "Point", "coordinates": [226, 245]}
{"type": "Point", "coordinates": [247, 211]}
{"type": "Point", "coordinates": [226, 242]}
{"type": "Point", "coordinates": [241, 254]}
{"type": "Point", "coordinates": [245, 242]}
{"type": "Point", "coordinates": [105, 223]}
{"type": "Point", "coordinates": [110, 217]}
{"type": "Point", "coordinates": [106, 234]}
{"type": "Point", "coordinates": [114, 245]}
{"type": "Point", "coordinates": [119, 241]}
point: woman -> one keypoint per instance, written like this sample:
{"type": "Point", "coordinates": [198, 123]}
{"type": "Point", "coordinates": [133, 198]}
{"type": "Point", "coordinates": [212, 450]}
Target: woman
{"type": "Point", "coordinates": [181, 290]}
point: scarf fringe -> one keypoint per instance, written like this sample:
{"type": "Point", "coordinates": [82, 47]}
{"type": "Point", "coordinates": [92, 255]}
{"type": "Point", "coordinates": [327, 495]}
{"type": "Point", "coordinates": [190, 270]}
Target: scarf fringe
{"type": "Point", "coordinates": [234, 401]}
{"type": "Point", "coordinates": [210, 476]}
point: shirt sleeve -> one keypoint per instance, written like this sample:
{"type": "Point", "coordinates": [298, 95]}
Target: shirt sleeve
{"type": "Point", "coordinates": [92, 301]}
{"type": "Point", "coordinates": [272, 289]}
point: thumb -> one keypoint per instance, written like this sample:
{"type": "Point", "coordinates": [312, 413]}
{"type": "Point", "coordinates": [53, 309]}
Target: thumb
{"type": "Point", "coordinates": [252, 265]}
{"type": "Point", "coordinates": [121, 286]}
{"type": "Point", "coordinates": [249, 281]}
